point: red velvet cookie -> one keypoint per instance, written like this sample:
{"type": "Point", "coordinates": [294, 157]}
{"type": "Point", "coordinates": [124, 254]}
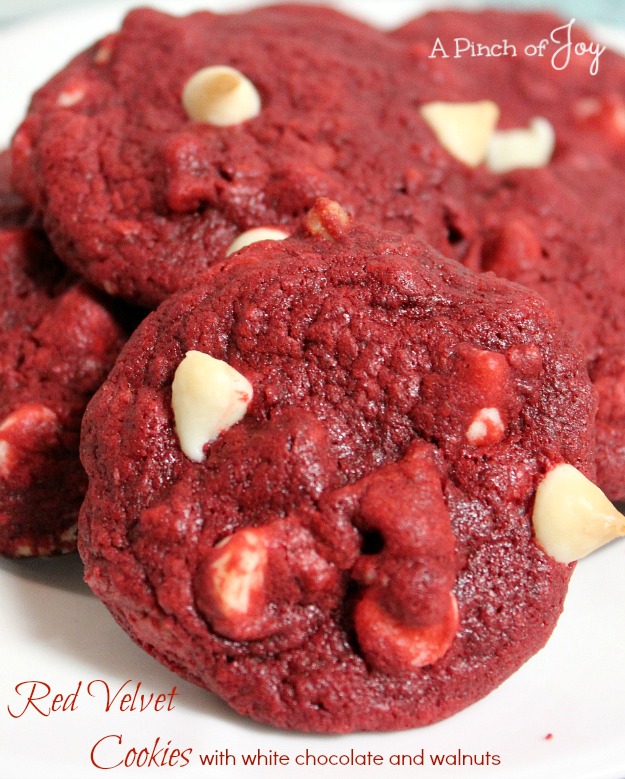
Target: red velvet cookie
{"type": "Point", "coordinates": [159, 195]}
{"type": "Point", "coordinates": [558, 229]}
{"type": "Point", "coordinates": [311, 479]}
{"type": "Point", "coordinates": [58, 339]}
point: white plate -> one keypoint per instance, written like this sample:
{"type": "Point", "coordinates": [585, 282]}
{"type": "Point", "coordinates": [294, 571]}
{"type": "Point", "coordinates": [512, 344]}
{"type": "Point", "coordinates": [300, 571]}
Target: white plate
{"type": "Point", "coordinates": [560, 717]}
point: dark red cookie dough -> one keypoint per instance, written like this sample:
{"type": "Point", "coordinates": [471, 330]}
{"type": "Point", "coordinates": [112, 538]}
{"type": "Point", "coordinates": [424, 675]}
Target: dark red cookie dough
{"type": "Point", "coordinates": [404, 411]}
{"type": "Point", "coordinates": [58, 339]}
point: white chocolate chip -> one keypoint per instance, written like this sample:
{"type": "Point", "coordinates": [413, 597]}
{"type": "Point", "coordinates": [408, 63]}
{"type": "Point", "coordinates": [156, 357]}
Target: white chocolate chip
{"type": "Point", "coordinates": [208, 397]}
{"type": "Point", "coordinates": [70, 97]}
{"type": "Point", "coordinates": [463, 129]}
{"type": "Point", "coordinates": [102, 55]}
{"type": "Point", "coordinates": [69, 535]}
{"type": "Point", "coordinates": [30, 416]}
{"type": "Point", "coordinates": [23, 550]}
{"type": "Point", "coordinates": [572, 517]}
{"type": "Point", "coordinates": [238, 573]}
{"type": "Point", "coordinates": [110, 287]}
{"type": "Point", "coordinates": [6, 459]}
{"type": "Point", "coordinates": [388, 644]}
{"type": "Point", "coordinates": [327, 219]}
{"type": "Point", "coordinates": [221, 96]}
{"type": "Point", "coordinates": [530, 147]}
{"type": "Point", "coordinates": [104, 51]}
{"type": "Point", "coordinates": [254, 235]}
{"type": "Point", "coordinates": [28, 428]}
{"type": "Point", "coordinates": [486, 427]}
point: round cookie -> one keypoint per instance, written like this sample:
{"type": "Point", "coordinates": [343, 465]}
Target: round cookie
{"type": "Point", "coordinates": [311, 479]}
{"type": "Point", "coordinates": [160, 195]}
{"type": "Point", "coordinates": [58, 339]}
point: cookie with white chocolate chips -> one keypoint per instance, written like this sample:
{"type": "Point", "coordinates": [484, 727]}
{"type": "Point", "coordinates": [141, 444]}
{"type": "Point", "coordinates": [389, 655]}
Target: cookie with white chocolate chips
{"type": "Point", "coordinates": [312, 478]}
{"type": "Point", "coordinates": [165, 145]}
{"type": "Point", "coordinates": [58, 340]}
{"type": "Point", "coordinates": [192, 131]}
{"type": "Point", "coordinates": [547, 182]}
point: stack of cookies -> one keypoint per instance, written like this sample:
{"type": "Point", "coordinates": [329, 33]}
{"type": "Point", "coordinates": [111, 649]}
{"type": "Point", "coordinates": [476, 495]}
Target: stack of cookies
{"type": "Point", "coordinates": [341, 471]}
